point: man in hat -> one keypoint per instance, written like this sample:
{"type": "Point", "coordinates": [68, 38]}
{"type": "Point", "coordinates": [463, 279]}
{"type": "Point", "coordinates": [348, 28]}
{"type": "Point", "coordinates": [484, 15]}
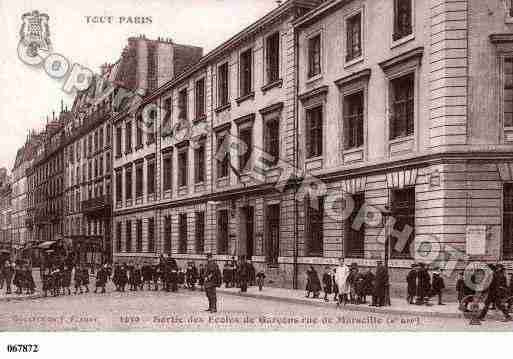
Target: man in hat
{"type": "Point", "coordinates": [496, 292]}
{"type": "Point", "coordinates": [212, 281]}
{"type": "Point", "coordinates": [423, 284]}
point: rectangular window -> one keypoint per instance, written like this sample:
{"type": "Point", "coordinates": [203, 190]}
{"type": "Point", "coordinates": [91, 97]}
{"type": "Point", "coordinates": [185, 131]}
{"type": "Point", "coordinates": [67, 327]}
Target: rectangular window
{"type": "Point", "coordinates": [138, 233]}
{"type": "Point", "coordinates": [151, 235]}
{"type": "Point", "coordinates": [246, 72]}
{"type": "Point", "coordinates": [354, 37]}
{"type": "Point", "coordinates": [272, 226]}
{"type": "Point", "coordinates": [128, 183]}
{"type": "Point", "coordinates": [182, 167]}
{"type": "Point", "coordinates": [128, 136]}
{"type": "Point", "coordinates": [182, 239]}
{"type": "Point", "coordinates": [166, 122]}
{"type": "Point", "coordinates": [139, 180]}
{"type": "Point", "coordinates": [107, 134]}
{"type": "Point", "coordinates": [403, 210]}
{"type": "Point", "coordinates": [314, 132]}
{"type": "Point", "coordinates": [200, 232]}
{"type": "Point", "coordinates": [403, 25]}
{"type": "Point", "coordinates": [199, 164]}
{"type": "Point", "coordinates": [508, 92]}
{"type": "Point", "coordinates": [107, 162]}
{"type": "Point", "coordinates": [128, 239]}
{"type": "Point", "coordinates": [507, 222]}
{"type": "Point", "coordinates": [182, 105]}
{"type": "Point", "coordinates": [222, 84]}
{"type": "Point", "coordinates": [200, 98]}
{"type": "Point", "coordinates": [151, 177]}
{"type": "Point", "coordinates": [315, 227]}
{"type": "Point", "coordinates": [101, 138]}
{"type": "Point", "coordinates": [222, 231]}
{"type": "Point", "coordinates": [314, 56]}
{"type": "Point", "coordinates": [167, 234]}
{"type": "Point", "coordinates": [402, 106]}
{"type": "Point", "coordinates": [139, 131]}
{"type": "Point", "coordinates": [272, 57]}
{"type": "Point", "coordinates": [118, 141]}
{"type": "Point", "coordinates": [272, 138]}
{"type": "Point", "coordinates": [353, 120]}
{"type": "Point", "coordinates": [167, 173]}
{"type": "Point", "coordinates": [118, 237]}
{"type": "Point", "coordinates": [354, 238]}
{"type": "Point", "coordinates": [246, 136]}
{"type": "Point", "coordinates": [222, 165]}
{"type": "Point", "coordinates": [119, 186]}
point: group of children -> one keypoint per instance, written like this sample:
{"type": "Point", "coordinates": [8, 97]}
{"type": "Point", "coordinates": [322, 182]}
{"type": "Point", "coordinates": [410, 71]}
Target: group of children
{"type": "Point", "coordinates": [60, 279]}
{"type": "Point", "coordinates": [20, 275]}
{"type": "Point", "coordinates": [361, 284]}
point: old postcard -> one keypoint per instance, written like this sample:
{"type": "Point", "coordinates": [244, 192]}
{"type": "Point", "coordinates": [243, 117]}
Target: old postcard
{"type": "Point", "coordinates": [342, 165]}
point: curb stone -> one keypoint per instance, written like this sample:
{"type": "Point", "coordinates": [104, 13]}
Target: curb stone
{"type": "Point", "coordinates": [347, 307]}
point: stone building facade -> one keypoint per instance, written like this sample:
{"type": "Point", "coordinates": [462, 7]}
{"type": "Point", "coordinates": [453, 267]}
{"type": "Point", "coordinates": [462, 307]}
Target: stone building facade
{"type": "Point", "coordinates": [175, 197]}
{"type": "Point", "coordinates": [413, 108]}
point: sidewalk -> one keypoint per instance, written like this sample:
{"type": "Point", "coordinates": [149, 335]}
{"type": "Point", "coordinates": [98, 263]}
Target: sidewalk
{"type": "Point", "coordinates": [398, 307]}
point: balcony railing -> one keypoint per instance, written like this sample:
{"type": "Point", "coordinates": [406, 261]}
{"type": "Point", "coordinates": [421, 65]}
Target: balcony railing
{"type": "Point", "coordinates": [101, 203]}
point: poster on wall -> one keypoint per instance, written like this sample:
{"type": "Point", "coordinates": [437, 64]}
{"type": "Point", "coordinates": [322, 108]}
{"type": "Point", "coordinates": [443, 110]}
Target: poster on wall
{"type": "Point", "coordinates": [476, 240]}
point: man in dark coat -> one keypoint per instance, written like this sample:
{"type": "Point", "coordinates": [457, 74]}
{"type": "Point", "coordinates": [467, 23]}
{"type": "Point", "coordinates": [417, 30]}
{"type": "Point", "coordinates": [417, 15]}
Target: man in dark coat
{"type": "Point", "coordinates": [244, 275]}
{"type": "Point", "coordinates": [411, 280]}
{"type": "Point", "coordinates": [212, 281]}
{"type": "Point", "coordinates": [227, 274]}
{"type": "Point", "coordinates": [380, 284]}
{"type": "Point", "coordinates": [147, 275]}
{"type": "Point", "coordinates": [496, 292]}
{"type": "Point", "coordinates": [423, 284]}
{"type": "Point", "coordinates": [438, 286]}
{"type": "Point", "coordinates": [101, 279]}
{"type": "Point", "coordinates": [8, 271]}
{"type": "Point", "coordinates": [123, 277]}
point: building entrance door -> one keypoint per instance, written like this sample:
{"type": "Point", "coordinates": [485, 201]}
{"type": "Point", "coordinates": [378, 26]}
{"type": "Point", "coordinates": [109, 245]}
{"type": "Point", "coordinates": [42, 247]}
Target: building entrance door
{"type": "Point", "coordinates": [246, 228]}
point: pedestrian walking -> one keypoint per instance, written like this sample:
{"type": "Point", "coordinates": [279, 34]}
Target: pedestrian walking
{"type": "Point", "coordinates": [8, 273]}
{"type": "Point", "coordinates": [380, 284]}
{"type": "Point", "coordinates": [438, 286]}
{"type": "Point", "coordinates": [191, 276]}
{"type": "Point", "coordinates": [147, 275]}
{"type": "Point", "coordinates": [341, 276]}
{"type": "Point", "coordinates": [85, 278]}
{"type": "Point", "coordinates": [313, 284]}
{"type": "Point", "coordinates": [66, 280]}
{"type": "Point", "coordinates": [368, 285]}
{"type": "Point", "coordinates": [212, 281]}
{"type": "Point", "coordinates": [227, 274]}
{"type": "Point", "coordinates": [243, 275]}
{"type": "Point", "coordinates": [327, 283]}
{"type": "Point", "coordinates": [101, 279]}
{"type": "Point", "coordinates": [77, 279]}
{"type": "Point", "coordinates": [260, 278]}
{"type": "Point", "coordinates": [411, 281]}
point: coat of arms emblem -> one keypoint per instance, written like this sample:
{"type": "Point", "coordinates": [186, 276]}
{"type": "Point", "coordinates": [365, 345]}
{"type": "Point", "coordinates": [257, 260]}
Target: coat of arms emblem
{"type": "Point", "coordinates": [35, 32]}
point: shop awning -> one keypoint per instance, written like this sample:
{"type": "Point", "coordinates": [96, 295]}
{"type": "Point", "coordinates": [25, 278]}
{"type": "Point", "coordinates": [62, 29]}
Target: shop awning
{"type": "Point", "coordinates": [46, 245]}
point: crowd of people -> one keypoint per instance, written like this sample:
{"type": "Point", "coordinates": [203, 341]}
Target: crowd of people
{"type": "Point", "coordinates": [348, 284]}
{"type": "Point", "coordinates": [17, 274]}
{"type": "Point", "coordinates": [64, 278]}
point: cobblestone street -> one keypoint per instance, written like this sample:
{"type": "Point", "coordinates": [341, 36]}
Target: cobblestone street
{"type": "Point", "coordinates": [184, 311]}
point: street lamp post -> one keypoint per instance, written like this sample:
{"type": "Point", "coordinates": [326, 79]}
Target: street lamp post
{"type": "Point", "coordinates": [386, 212]}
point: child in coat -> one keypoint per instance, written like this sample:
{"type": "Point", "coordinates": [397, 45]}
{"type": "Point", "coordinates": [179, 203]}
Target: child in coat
{"type": "Point", "coordinates": [313, 284]}
{"type": "Point", "coordinates": [260, 277]}
{"type": "Point", "coordinates": [327, 281]}
{"type": "Point", "coordinates": [438, 286]}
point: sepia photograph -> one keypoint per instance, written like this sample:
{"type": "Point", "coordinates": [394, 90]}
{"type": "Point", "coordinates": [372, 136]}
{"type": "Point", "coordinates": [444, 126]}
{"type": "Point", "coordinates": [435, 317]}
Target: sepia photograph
{"type": "Point", "coordinates": [255, 166]}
